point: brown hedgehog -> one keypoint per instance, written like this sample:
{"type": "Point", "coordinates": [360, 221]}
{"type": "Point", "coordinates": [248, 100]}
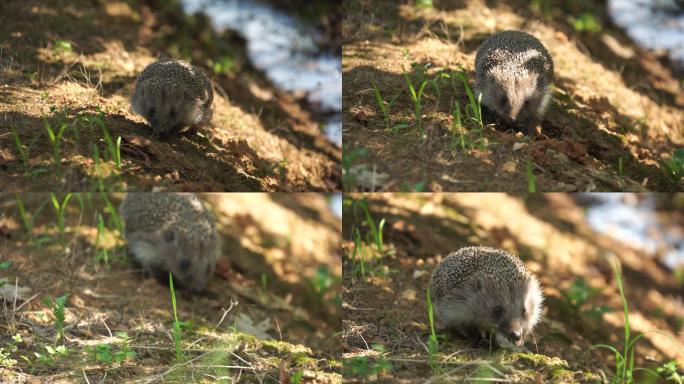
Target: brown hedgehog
{"type": "Point", "coordinates": [172, 232]}
{"type": "Point", "coordinates": [480, 290]}
{"type": "Point", "coordinates": [172, 94]}
{"type": "Point", "coordinates": [513, 73]}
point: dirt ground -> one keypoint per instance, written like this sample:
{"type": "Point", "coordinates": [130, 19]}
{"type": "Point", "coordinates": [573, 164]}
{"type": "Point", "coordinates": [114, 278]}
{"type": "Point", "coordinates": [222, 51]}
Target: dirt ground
{"type": "Point", "coordinates": [617, 112]}
{"type": "Point", "coordinates": [385, 315]}
{"type": "Point", "coordinates": [73, 64]}
{"type": "Point", "coordinates": [270, 314]}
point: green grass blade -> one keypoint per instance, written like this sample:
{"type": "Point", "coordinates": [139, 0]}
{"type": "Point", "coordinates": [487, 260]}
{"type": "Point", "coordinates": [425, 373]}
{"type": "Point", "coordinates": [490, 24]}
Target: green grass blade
{"type": "Point", "coordinates": [381, 104]}
{"type": "Point", "coordinates": [430, 312]}
{"type": "Point", "coordinates": [23, 153]}
{"type": "Point", "coordinates": [381, 226]}
{"type": "Point", "coordinates": [371, 224]}
{"type": "Point", "coordinates": [176, 323]}
{"type": "Point", "coordinates": [531, 178]}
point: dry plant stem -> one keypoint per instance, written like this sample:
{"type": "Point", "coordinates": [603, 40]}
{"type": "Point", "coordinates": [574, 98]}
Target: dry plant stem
{"type": "Point", "coordinates": [225, 313]}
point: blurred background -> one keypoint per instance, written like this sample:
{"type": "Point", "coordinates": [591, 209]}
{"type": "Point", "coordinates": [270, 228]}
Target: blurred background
{"type": "Point", "coordinates": [296, 43]}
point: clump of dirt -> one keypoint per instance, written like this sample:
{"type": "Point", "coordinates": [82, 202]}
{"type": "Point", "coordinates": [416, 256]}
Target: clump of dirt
{"type": "Point", "coordinates": [74, 75]}
{"type": "Point", "coordinates": [386, 327]}
{"type": "Point", "coordinates": [270, 314]}
{"type": "Point", "coordinates": [611, 126]}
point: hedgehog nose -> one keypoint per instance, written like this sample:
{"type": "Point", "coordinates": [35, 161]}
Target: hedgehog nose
{"type": "Point", "coordinates": [516, 335]}
{"type": "Point", "coordinates": [514, 114]}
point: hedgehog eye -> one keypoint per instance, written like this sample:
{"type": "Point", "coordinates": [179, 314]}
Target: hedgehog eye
{"type": "Point", "coordinates": [503, 100]}
{"type": "Point", "coordinates": [184, 264]}
{"type": "Point", "coordinates": [169, 236]}
{"type": "Point", "coordinates": [497, 312]}
{"type": "Point", "coordinates": [172, 112]}
{"type": "Point", "coordinates": [151, 112]}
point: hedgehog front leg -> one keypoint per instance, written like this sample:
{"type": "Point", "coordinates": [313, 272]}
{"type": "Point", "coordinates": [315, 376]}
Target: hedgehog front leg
{"type": "Point", "coordinates": [532, 127]}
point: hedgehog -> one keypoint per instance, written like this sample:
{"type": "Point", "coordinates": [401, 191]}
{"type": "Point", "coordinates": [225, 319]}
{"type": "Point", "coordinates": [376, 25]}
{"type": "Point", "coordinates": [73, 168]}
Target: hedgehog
{"type": "Point", "coordinates": [513, 73]}
{"type": "Point", "coordinates": [172, 232]}
{"type": "Point", "coordinates": [172, 94]}
{"type": "Point", "coordinates": [480, 291]}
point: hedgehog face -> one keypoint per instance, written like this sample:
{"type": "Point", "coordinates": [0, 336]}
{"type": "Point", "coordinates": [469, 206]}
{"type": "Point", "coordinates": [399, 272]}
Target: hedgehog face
{"type": "Point", "coordinates": [516, 99]}
{"type": "Point", "coordinates": [511, 310]}
{"type": "Point", "coordinates": [166, 109]}
{"type": "Point", "coordinates": [495, 97]}
{"type": "Point", "coordinates": [191, 262]}
{"type": "Point", "coordinates": [172, 233]}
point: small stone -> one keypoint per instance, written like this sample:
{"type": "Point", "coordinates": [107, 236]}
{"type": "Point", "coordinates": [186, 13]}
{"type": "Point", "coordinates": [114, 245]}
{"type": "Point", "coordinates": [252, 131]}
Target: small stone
{"type": "Point", "coordinates": [509, 166]}
{"type": "Point", "coordinates": [417, 274]}
{"type": "Point", "coordinates": [518, 146]}
{"type": "Point", "coordinates": [409, 295]}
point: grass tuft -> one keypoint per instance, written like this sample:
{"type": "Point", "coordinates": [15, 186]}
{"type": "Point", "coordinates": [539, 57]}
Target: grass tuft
{"type": "Point", "coordinates": [416, 98]}
{"type": "Point", "coordinates": [467, 122]}
{"type": "Point", "coordinates": [625, 365]}
{"type": "Point", "coordinates": [381, 104]}
{"type": "Point", "coordinates": [375, 230]}
{"type": "Point", "coordinates": [22, 150]}
{"type": "Point", "coordinates": [55, 139]}
{"type": "Point", "coordinates": [60, 210]}
{"type": "Point", "coordinates": [57, 306]}
{"type": "Point", "coordinates": [433, 344]}
{"type": "Point", "coordinates": [177, 337]}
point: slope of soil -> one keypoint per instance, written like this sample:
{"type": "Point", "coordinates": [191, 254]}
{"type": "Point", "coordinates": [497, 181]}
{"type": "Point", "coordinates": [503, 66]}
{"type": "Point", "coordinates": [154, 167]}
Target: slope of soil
{"type": "Point", "coordinates": [270, 314]}
{"type": "Point", "coordinates": [385, 319]}
{"type": "Point", "coordinates": [73, 64]}
{"type": "Point", "coordinates": [617, 111]}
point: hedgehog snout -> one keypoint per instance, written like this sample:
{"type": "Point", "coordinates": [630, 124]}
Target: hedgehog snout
{"type": "Point", "coordinates": [514, 113]}
{"type": "Point", "coordinates": [518, 110]}
{"type": "Point", "coordinates": [514, 331]}
{"type": "Point", "coordinates": [515, 335]}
